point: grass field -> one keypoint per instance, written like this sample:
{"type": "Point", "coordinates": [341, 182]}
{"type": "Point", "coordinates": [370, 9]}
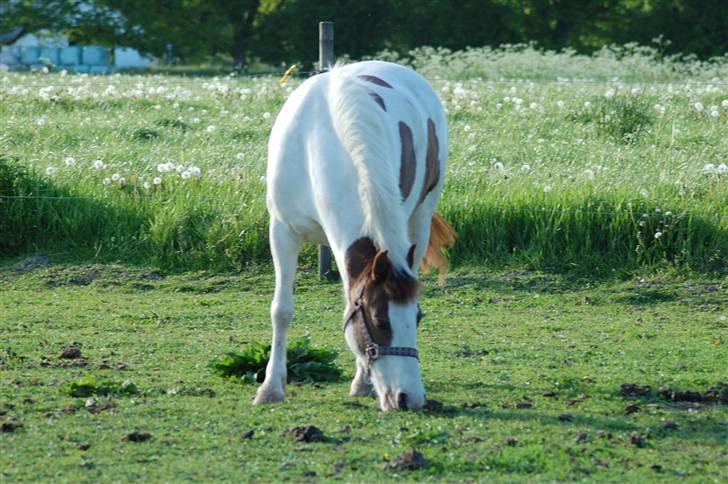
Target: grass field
{"type": "Point", "coordinates": [594, 174]}
{"type": "Point", "coordinates": [529, 368]}
{"type": "Point", "coordinates": [581, 335]}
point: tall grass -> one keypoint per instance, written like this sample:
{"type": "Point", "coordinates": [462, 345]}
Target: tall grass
{"type": "Point", "coordinates": [601, 175]}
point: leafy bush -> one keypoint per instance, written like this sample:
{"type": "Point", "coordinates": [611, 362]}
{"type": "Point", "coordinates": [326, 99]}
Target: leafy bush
{"type": "Point", "coordinates": [303, 363]}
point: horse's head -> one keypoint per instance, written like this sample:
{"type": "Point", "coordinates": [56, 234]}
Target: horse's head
{"type": "Point", "coordinates": [381, 324]}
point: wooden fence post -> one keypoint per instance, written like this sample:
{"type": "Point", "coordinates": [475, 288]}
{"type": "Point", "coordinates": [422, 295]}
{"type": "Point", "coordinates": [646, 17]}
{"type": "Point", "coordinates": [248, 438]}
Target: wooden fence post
{"type": "Point", "coordinates": [326, 61]}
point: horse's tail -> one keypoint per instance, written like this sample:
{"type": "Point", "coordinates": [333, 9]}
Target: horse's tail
{"type": "Point", "coordinates": [442, 236]}
{"type": "Point", "coordinates": [360, 126]}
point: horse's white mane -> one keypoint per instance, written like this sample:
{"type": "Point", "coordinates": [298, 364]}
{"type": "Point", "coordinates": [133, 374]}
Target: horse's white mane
{"type": "Point", "coordinates": [360, 125]}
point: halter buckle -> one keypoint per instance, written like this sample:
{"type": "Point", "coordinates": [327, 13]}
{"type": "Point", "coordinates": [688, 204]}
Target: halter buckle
{"type": "Point", "coordinates": [372, 351]}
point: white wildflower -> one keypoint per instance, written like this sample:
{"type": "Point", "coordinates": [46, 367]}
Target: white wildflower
{"type": "Point", "coordinates": [658, 234]}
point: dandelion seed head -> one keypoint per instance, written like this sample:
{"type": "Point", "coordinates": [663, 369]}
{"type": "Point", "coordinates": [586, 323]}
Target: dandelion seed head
{"type": "Point", "coordinates": [266, 115]}
{"type": "Point", "coordinates": [658, 234]}
{"type": "Point", "coordinates": [211, 129]}
{"type": "Point", "coordinates": [196, 172]}
{"type": "Point", "coordinates": [147, 185]}
{"type": "Point", "coordinates": [186, 174]}
{"type": "Point", "coordinates": [589, 174]}
{"type": "Point", "coordinates": [714, 114]}
{"type": "Point", "coordinates": [240, 156]}
{"type": "Point", "coordinates": [709, 168]}
{"type": "Point", "coordinates": [644, 192]}
{"type": "Point", "coordinates": [157, 180]}
{"type": "Point", "coordinates": [526, 168]}
{"type": "Point", "coordinates": [51, 170]}
{"type": "Point", "coordinates": [70, 161]}
{"type": "Point", "coordinates": [722, 169]}
{"type": "Point", "coordinates": [107, 181]}
{"type": "Point", "coordinates": [698, 106]}
{"type": "Point", "coordinates": [115, 177]}
{"type": "Point", "coordinates": [98, 164]}
{"type": "Point", "coordinates": [498, 166]}
{"type": "Point", "coordinates": [547, 189]}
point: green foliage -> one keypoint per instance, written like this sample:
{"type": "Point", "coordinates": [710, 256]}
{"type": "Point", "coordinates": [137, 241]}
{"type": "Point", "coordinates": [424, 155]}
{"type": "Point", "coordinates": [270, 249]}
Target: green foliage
{"type": "Point", "coordinates": [303, 363]}
{"type": "Point", "coordinates": [89, 385]}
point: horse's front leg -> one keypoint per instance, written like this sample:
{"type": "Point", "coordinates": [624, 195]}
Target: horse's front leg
{"type": "Point", "coordinates": [285, 246]}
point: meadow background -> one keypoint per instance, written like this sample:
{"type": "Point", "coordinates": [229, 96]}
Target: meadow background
{"type": "Point", "coordinates": [596, 163]}
{"type": "Point", "coordinates": [580, 335]}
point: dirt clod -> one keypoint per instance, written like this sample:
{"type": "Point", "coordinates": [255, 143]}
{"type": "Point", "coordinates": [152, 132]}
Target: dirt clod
{"type": "Point", "coordinates": [10, 426]}
{"type": "Point", "coordinates": [511, 441]}
{"type": "Point", "coordinates": [137, 436]}
{"type": "Point", "coordinates": [582, 437]}
{"type": "Point", "coordinates": [565, 417]}
{"type": "Point", "coordinates": [249, 434]}
{"type": "Point", "coordinates": [307, 433]}
{"type": "Point", "coordinates": [411, 460]}
{"type": "Point", "coordinates": [632, 390]}
{"type": "Point", "coordinates": [71, 352]}
{"type": "Point", "coordinates": [638, 440]}
{"type": "Point", "coordinates": [524, 405]}
{"type": "Point", "coordinates": [433, 405]}
{"type": "Point", "coordinates": [630, 409]}
{"type": "Point", "coordinates": [670, 425]}
{"type": "Point", "coordinates": [84, 446]}
{"type": "Point", "coordinates": [475, 405]}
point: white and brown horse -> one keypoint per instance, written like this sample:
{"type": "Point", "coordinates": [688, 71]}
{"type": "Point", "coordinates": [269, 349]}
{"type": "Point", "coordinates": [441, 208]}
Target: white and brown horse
{"type": "Point", "coordinates": [356, 161]}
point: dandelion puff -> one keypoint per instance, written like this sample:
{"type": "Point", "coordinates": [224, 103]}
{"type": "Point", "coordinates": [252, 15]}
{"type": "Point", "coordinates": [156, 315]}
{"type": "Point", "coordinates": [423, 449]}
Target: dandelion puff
{"type": "Point", "coordinates": [195, 120]}
{"type": "Point", "coordinates": [41, 121]}
{"type": "Point", "coordinates": [715, 114]}
{"type": "Point", "coordinates": [589, 174]}
{"type": "Point", "coordinates": [644, 192]}
{"type": "Point", "coordinates": [498, 166]}
{"type": "Point", "coordinates": [211, 129]}
{"type": "Point", "coordinates": [196, 172]}
{"type": "Point", "coordinates": [466, 128]}
{"type": "Point", "coordinates": [658, 234]}
{"type": "Point", "coordinates": [157, 180]}
{"type": "Point", "coordinates": [147, 185]}
{"type": "Point", "coordinates": [709, 168]}
{"type": "Point", "coordinates": [162, 167]}
{"type": "Point", "coordinates": [122, 180]}
{"type": "Point", "coordinates": [561, 104]}
{"type": "Point", "coordinates": [98, 164]}
{"type": "Point", "coordinates": [587, 104]}
{"type": "Point", "coordinates": [609, 93]}
{"type": "Point", "coordinates": [262, 179]}
{"type": "Point", "coordinates": [178, 168]}
{"type": "Point", "coordinates": [266, 115]}
{"type": "Point", "coordinates": [547, 189]}
{"type": "Point", "coordinates": [115, 177]}
{"type": "Point", "coordinates": [698, 106]}
{"type": "Point", "coordinates": [107, 181]}
{"type": "Point", "coordinates": [240, 156]}
{"type": "Point", "coordinates": [526, 168]}
{"type": "Point", "coordinates": [70, 161]}
{"type": "Point", "coordinates": [185, 175]}
{"type": "Point", "coordinates": [724, 103]}
{"type": "Point", "coordinates": [51, 170]}
{"type": "Point", "coordinates": [722, 169]}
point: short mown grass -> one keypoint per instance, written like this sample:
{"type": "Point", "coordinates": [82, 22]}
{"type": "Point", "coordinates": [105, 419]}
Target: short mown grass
{"type": "Point", "coordinates": [528, 367]}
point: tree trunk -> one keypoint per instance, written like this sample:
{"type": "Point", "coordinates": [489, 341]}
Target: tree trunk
{"type": "Point", "coordinates": [243, 33]}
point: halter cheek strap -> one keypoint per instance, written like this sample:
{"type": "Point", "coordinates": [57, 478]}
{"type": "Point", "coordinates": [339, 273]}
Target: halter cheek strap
{"type": "Point", "coordinates": [372, 349]}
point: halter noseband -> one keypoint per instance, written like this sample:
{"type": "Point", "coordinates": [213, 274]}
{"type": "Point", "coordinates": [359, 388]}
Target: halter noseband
{"type": "Point", "coordinates": [374, 350]}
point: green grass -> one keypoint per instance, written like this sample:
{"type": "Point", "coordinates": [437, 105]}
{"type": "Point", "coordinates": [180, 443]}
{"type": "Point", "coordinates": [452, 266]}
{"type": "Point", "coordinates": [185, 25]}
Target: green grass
{"type": "Point", "coordinates": [609, 172]}
{"type": "Point", "coordinates": [491, 342]}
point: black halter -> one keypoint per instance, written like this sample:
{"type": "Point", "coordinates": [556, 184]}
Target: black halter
{"type": "Point", "coordinates": [374, 350]}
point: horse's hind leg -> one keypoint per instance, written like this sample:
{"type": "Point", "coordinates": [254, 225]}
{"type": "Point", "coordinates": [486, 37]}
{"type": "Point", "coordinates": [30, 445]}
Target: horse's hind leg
{"type": "Point", "coordinates": [285, 246]}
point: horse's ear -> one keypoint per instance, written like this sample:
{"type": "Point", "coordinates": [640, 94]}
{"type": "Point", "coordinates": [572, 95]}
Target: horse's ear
{"type": "Point", "coordinates": [381, 266]}
{"type": "Point", "coordinates": [411, 257]}
{"type": "Point", "coordinates": [359, 254]}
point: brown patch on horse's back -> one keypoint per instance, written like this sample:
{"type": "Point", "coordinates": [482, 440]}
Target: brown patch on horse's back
{"type": "Point", "coordinates": [375, 80]}
{"type": "Point", "coordinates": [442, 236]}
{"type": "Point", "coordinates": [432, 162]}
{"type": "Point", "coordinates": [408, 161]}
{"type": "Point", "coordinates": [378, 99]}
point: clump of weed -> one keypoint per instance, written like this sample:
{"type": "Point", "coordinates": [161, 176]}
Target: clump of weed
{"type": "Point", "coordinates": [620, 117]}
{"type": "Point", "coordinates": [145, 134]}
{"type": "Point", "coordinates": [89, 385]}
{"type": "Point", "coordinates": [304, 363]}
{"type": "Point", "coordinates": [173, 123]}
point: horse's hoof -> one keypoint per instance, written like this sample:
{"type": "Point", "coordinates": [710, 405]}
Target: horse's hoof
{"type": "Point", "coordinates": [268, 395]}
